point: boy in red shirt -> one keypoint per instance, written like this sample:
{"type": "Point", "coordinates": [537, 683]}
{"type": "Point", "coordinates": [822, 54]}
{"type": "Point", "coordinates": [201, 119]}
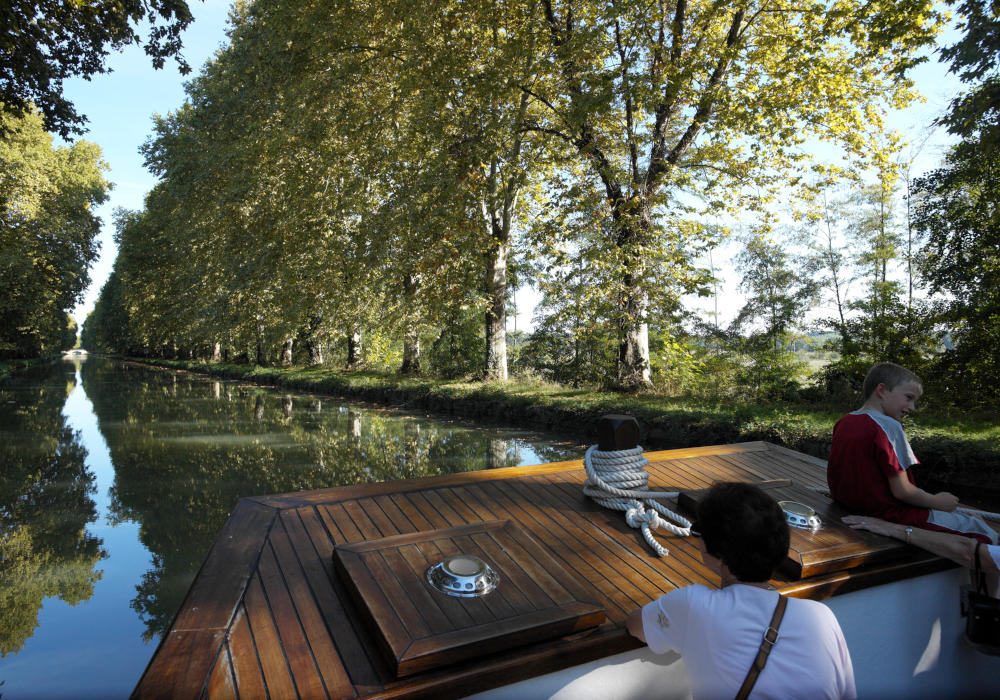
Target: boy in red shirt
{"type": "Point", "coordinates": [869, 470]}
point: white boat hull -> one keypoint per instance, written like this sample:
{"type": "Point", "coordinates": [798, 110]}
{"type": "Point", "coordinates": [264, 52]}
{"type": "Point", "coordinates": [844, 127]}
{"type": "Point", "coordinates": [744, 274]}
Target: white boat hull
{"type": "Point", "coordinates": [905, 642]}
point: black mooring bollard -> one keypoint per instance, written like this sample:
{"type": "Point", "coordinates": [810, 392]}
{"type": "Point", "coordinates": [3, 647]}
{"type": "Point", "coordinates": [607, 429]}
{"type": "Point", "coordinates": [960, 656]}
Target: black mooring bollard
{"type": "Point", "coordinates": [616, 433]}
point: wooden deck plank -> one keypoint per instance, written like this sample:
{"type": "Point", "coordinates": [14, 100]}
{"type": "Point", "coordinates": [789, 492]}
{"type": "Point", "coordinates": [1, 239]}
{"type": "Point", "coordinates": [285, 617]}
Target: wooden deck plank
{"type": "Point", "coordinates": [523, 593]}
{"type": "Point", "coordinates": [447, 511]}
{"type": "Point", "coordinates": [334, 676]}
{"type": "Point", "coordinates": [497, 605]}
{"type": "Point", "coordinates": [418, 522]}
{"type": "Point", "coordinates": [243, 652]}
{"type": "Point", "coordinates": [296, 647]}
{"type": "Point", "coordinates": [411, 616]}
{"type": "Point", "coordinates": [604, 523]}
{"type": "Point", "coordinates": [590, 559]}
{"type": "Point", "coordinates": [781, 465]}
{"type": "Point", "coordinates": [221, 683]}
{"type": "Point", "coordinates": [392, 511]}
{"type": "Point", "coordinates": [480, 613]}
{"type": "Point", "coordinates": [362, 521]}
{"type": "Point", "coordinates": [336, 519]}
{"type": "Point", "coordinates": [624, 591]}
{"type": "Point", "coordinates": [356, 652]}
{"type": "Point", "coordinates": [684, 562]}
{"type": "Point", "coordinates": [437, 519]}
{"type": "Point", "coordinates": [270, 654]}
{"type": "Point", "coordinates": [453, 610]}
{"type": "Point", "coordinates": [173, 674]}
{"type": "Point", "coordinates": [208, 607]}
{"type": "Point", "coordinates": [379, 519]}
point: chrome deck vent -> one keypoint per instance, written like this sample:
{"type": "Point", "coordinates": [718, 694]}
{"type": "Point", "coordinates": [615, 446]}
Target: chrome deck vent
{"type": "Point", "coordinates": [800, 515]}
{"type": "Point", "coordinates": [463, 576]}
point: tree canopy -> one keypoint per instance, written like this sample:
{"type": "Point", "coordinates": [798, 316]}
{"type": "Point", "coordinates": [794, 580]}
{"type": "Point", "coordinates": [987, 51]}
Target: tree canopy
{"type": "Point", "coordinates": [974, 59]}
{"type": "Point", "coordinates": [44, 42]}
{"type": "Point", "coordinates": [371, 176]}
{"type": "Point", "coordinates": [48, 233]}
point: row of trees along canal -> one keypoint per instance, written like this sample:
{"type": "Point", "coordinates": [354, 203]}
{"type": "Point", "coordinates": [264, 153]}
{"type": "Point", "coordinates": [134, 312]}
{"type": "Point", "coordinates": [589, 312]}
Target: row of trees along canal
{"type": "Point", "coordinates": [357, 171]}
{"type": "Point", "coordinates": [48, 193]}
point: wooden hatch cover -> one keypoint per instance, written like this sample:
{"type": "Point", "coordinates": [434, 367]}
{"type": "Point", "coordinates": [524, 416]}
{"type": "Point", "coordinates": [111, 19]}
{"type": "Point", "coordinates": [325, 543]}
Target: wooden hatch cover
{"type": "Point", "coordinates": [420, 627]}
{"type": "Point", "coordinates": [832, 547]}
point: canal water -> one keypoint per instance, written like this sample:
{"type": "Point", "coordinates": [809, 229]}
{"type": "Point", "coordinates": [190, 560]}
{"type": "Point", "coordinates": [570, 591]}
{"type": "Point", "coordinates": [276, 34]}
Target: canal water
{"type": "Point", "coordinates": [115, 480]}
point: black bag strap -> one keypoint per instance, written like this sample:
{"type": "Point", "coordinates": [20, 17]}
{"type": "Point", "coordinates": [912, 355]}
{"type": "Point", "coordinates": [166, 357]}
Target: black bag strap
{"type": "Point", "coordinates": [980, 576]}
{"type": "Point", "coordinates": [770, 637]}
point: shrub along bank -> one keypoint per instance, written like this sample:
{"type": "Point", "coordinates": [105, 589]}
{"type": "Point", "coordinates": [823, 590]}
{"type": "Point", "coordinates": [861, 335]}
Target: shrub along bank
{"type": "Point", "coordinates": [958, 455]}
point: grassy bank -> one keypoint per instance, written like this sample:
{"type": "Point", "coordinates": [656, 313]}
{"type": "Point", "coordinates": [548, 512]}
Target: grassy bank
{"type": "Point", "coordinates": [957, 453]}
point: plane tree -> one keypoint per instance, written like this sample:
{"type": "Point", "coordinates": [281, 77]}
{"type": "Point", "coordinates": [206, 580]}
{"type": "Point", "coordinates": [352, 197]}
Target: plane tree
{"type": "Point", "coordinates": [44, 42]}
{"type": "Point", "coordinates": [48, 232]}
{"type": "Point", "coordinates": [669, 103]}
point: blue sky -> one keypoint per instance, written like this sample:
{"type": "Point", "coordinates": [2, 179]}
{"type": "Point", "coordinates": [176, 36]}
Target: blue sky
{"type": "Point", "coordinates": [120, 106]}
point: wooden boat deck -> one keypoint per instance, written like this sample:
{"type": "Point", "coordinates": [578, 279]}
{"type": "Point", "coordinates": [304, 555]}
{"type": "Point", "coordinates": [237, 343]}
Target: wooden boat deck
{"type": "Point", "coordinates": [269, 616]}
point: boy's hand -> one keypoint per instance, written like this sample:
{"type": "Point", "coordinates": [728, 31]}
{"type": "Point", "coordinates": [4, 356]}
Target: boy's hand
{"type": "Point", "coordinates": [945, 501]}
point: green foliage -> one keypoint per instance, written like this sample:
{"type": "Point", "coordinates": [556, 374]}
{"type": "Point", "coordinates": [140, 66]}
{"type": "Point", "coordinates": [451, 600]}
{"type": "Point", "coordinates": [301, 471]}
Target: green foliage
{"type": "Point", "coordinates": [359, 165]}
{"type": "Point", "coordinates": [47, 233]}
{"type": "Point", "coordinates": [681, 364]}
{"type": "Point", "coordinates": [780, 289]}
{"type": "Point", "coordinates": [660, 103]}
{"type": "Point", "coordinates": [959, 212]}
{"type": "Point", "coordinates": [975, 114]}
{"type": "Point", "coordinates": [456, 352]}
{"type": "Point", "coordinates": [884, 321]}
{"type": "Point", "coordinates": [44, 42]}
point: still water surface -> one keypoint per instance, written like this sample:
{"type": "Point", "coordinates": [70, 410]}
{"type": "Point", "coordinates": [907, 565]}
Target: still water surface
{"type": "Point", "coordinates": [115, 479]}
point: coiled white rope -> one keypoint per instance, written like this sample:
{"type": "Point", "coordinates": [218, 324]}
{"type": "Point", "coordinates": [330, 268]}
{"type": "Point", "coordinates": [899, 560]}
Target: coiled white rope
{"type": "Point", "coordinates": [619, 480]}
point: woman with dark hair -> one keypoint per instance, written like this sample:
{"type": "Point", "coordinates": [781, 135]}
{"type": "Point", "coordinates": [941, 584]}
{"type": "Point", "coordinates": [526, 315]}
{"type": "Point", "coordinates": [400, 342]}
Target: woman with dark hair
{"type": "Point", "coordinates": [720, 633]}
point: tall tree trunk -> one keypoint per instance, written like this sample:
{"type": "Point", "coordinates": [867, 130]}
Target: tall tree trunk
{"type": "Point", "coordinates": [314, 346]}
{"type": "Point", "coordinates": [633, 348]}
{"type": "Point", "coordinates": [411, 338]}
{"type": "Point", "coordinates": [637, 188]}
{"type": "Point", "coordinates": [315, 352]}
{"type": "Point", "coordinates": [498, 213]}
{"type": "Point", "coordinates": [354, 348]}
{"type": "Point", "coordinates": [261, 358]}
{"type": "Point", "coordinates": [633, 306]}
{"type": "Point", "coordinates": [411, 352]}
{"type": "Point", "coordinates": [496, 312]}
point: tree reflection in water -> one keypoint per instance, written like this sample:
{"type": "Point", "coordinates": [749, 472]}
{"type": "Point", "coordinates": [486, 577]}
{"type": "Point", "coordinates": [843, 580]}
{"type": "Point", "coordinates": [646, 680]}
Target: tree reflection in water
{"type": "Point", "coordinates": [185, 450]}
{"type": "Point", "coordinates": [45, 505]}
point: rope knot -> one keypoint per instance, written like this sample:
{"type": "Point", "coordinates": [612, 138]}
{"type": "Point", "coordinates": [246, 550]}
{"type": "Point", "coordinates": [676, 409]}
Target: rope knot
{"type": "Point", "coordinates": [618, 480]}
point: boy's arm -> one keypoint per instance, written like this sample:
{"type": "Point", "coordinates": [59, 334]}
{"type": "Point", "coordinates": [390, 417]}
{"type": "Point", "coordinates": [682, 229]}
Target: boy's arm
{"type": "Point", "coordinates": [634, 625]}
{"type": "Point", "coordinates": [907, 492]}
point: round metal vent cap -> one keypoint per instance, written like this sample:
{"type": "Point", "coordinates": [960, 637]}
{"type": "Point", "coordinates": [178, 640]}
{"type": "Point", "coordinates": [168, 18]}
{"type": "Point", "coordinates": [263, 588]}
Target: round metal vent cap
{"type": "Point", "coordinates": [463, 575]}
{"type": "Point", "coordinates": [800, 515]}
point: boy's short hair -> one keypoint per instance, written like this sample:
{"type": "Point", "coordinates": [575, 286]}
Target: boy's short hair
{"type": "Point", "coordinates": [888, 373]}
{"type": "Point", "coordinates": [745, 528]}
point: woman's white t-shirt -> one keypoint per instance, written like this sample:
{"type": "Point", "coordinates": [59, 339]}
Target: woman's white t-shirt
{"type": "Point", "coordinates": [718, 632]}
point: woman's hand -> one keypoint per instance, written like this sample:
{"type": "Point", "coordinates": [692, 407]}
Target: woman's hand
{"type": "Point", "coordinates": [862, 522]}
